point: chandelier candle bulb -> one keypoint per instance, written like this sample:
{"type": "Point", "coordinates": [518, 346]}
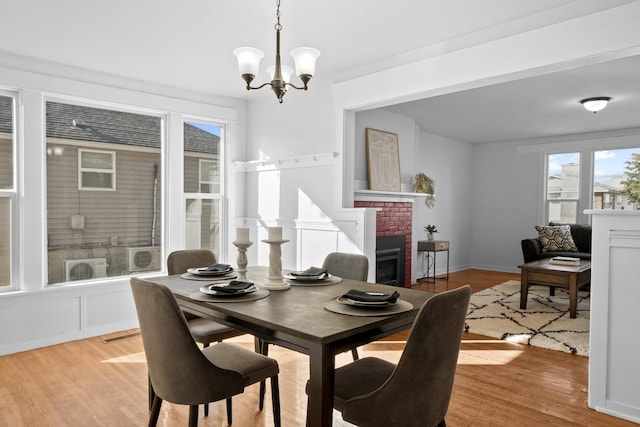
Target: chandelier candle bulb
{"type": "Point", "coordinates": [242, 234]}
{"type": "Point", "coordinates": [275, 233]}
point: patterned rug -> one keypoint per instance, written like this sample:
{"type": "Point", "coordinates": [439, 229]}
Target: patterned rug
{"type": "Point", "coordinates": [495, 312]}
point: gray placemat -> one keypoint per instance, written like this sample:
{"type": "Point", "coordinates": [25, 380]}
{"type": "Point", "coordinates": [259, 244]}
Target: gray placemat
{"type": "Point", "coordinates": [399, 307]}
{"type": "Point", "coordinates": [259, 294]}
{"type": "Point", "coordinates": [330, 281]}
{"type": "Point", "coordinates": [190, 276]}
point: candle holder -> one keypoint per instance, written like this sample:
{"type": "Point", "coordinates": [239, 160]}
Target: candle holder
{"type": "Point", "coordinates": [274, 280]}
{"type": "Point", "coordinates": [242, 258]}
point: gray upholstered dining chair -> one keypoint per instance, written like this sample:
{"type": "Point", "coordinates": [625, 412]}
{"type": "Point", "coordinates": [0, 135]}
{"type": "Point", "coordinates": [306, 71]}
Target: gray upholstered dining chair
{"type": "Point", "coordinates": [180, 371]}
{"type": "Point", "coordinates": [341, 264]}
{"type": "Point", "coordinates": [204, 331]}
{"type": "Point", "coordinates": [416, 392]}
{"type": "Point", "coordinates": [348, 266]}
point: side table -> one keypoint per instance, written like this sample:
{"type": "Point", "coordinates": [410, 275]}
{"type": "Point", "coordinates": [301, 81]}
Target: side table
{"type": "Point", "coordinates": [433, 246]}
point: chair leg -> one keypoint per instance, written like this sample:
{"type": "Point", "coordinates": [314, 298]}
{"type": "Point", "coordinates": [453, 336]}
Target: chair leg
{"type": "Point", "coordinates": [152, 393]}
{"type": "Point", "coordinates": [155, 411]}
{"type": "Point", "coordinates": [263, 348]}
{"type": "Point", "coordinates": [206, 405]}
{"type": "Point", "coordinates": [354, 353]}
{"type": "Point", "coordinates": [275, 399]}
{"type": "Point", "coordinates": [229, 412]}
{"type": "Point", "coordinates": [193, 416]}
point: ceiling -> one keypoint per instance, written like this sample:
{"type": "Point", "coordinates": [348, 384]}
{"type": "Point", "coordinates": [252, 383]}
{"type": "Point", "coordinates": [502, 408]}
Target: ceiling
{"type": "Point", "coordinates": [189, 44]}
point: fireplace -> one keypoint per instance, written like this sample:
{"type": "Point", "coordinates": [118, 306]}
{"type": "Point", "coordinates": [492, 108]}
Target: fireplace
{"type": "Point", "coordinates": [393, 219]}
{"type": "Point", "coordinates": [390, 260]}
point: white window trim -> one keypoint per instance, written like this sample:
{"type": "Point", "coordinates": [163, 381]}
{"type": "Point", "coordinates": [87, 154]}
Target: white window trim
{"type": "Point", "coordinates": [220, 196]}
{"type": "Point", "coordinates": [12, 195]}
{"type": "Point", "coordinates": [111, 171]}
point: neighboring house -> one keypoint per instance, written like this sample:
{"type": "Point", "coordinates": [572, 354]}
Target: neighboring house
{"type": "Point", "coordinates": [104, 189]}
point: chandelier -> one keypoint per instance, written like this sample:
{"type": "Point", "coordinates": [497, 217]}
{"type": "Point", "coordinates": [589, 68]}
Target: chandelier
{"type": "Point", "coordinates": [304, 57]}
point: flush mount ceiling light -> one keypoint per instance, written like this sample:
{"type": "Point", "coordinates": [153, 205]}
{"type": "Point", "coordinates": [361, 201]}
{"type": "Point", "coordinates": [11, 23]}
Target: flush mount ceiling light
{"type": "Point", "coordinates": [304, 57]}
{"type": "Point", "coordinates": [595, 104]}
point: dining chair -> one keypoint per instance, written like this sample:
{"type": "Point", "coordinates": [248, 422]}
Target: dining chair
{"type": "Point", "coordinates": [348, 266]}
{"type": "Point", "coordinates": [180, 371]}
{"type": "Point", "coordinates": [373, 392]}
{"type": "Point", "coordinates": [204, 331]}
{"type": "Point", "coordinates": [341, 264]}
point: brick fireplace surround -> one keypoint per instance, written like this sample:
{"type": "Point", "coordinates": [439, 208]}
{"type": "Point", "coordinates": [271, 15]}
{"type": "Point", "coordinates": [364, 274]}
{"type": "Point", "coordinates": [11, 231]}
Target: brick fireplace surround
{"type": "Point", "coordinates": [394, 219]}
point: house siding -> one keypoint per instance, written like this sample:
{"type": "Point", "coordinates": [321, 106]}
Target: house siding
{"type": "Point", "coordinates": [125, 214]}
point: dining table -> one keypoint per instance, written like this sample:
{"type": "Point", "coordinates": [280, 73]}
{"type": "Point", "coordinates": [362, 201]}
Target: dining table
{"type": "Point", "coordinates": [307, 317]}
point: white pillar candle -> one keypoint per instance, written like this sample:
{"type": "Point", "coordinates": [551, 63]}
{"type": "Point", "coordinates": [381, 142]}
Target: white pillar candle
{"type": "Point", "coordinates": [242, 234]}
{"type": "Point", "coordinates": [275, 233]}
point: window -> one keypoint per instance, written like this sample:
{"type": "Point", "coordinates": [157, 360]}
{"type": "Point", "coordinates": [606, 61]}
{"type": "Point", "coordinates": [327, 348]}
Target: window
{"type": "Point", "coordinates": [610, 179]}
{"type": "Point", "coordinates": [7, 188]}
{"type": "Point", "coordinates": [97, 170]}
{"type": "Point", "coordinates": [563, 187]}
{"type": "Point", "coordinates": [573, 186]}
{"type": "Point", "coordinates": [202, 186]}
{"type": "Point", "coordinates": [96, 229]}
{"type": "Point", "coordinates": [209, 176]}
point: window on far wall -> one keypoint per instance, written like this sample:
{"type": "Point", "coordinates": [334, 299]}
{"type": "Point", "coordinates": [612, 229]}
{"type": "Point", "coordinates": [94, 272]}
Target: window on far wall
{"type": "Point", "coordinates": [610, 179]}
{"type": "Point", "coordinates": [8, 195]}
{"type": "Point", "coordinates": [95, 228]}
{"type": "Point", "coordinates": [563, 187]}
{"type": "Point", "coordinates": [571, 187]}
{"type": "Point", "coordinates": [202, 185]}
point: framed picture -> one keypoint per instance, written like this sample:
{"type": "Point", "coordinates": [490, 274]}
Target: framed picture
{"type": "Point", "coordinates": [383, 160]}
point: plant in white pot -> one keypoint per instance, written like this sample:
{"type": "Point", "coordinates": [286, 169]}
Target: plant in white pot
{"type": "Point", "coordinates": [424, 184]}
{"type": "Point", "coordinates": [431, 230]}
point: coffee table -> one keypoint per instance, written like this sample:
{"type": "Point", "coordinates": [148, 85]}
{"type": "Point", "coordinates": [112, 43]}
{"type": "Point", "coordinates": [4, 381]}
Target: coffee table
{"type": "Point", "coordinates": [541, 272]}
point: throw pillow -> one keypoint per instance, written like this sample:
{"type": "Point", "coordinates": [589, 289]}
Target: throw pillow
{"type": "Point", "coordinates": [556, 238]}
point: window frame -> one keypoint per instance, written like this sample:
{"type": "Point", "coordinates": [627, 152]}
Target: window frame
{"type": "Point", "coordinates": [111, 171]}
{"type": "Point", "coordinates": [587, 175]}
{"type": "Point", "coordinates": [578, 201]}
{"type": "Point", "coordinates": [219, 197]}
{"type": "Point", "coordinates": [12, 194]}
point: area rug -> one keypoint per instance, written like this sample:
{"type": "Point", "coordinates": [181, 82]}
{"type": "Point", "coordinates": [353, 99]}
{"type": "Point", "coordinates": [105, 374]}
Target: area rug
{"type": "Point", "coordinates": [495, 312]}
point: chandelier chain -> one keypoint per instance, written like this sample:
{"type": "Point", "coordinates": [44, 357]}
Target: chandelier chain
{"type": "Point", "coordinates": [278, 27]}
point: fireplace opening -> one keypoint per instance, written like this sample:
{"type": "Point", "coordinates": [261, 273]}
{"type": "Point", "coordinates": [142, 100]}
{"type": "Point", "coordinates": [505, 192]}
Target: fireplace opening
{"type": "Point", "coordinates": [390, 257]}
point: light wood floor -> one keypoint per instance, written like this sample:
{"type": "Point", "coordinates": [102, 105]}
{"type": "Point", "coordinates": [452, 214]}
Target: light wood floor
{"type": "Point", "coordinates": [102, 381]}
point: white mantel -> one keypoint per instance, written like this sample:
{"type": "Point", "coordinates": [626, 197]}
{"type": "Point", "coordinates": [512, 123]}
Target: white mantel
{"type": "Point", "coordinates": [386, 196]}
{"type": "Point", "coordinates": [614, 351]}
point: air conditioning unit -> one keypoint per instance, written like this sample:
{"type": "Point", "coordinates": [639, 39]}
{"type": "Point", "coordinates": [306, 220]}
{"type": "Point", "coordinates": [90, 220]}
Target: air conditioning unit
{"type": "Point", "coordinates": [143, 258]}
{"type": "Point", "coordinates": [84, 269]}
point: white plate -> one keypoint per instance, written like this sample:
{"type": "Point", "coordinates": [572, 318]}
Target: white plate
{"type": "Point", "coordinates": [210, 290]}
{"type": "Point", "coordinates": [307, 278]}
{"type": "Point", "coordinates": [365, 304]}
{"type": "Point", "coordinates": [204, 272]}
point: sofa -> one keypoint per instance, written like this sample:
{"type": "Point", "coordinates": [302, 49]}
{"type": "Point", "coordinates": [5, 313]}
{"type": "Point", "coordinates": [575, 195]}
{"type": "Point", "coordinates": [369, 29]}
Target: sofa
{"type": "Point", "coordinates": [532, 248]}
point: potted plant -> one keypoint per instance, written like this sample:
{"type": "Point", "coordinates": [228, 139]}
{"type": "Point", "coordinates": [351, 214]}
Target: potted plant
{"type": "Point", "coordinates": [424, 184]}
{"type": "Point", "coordinates": [431, 229]}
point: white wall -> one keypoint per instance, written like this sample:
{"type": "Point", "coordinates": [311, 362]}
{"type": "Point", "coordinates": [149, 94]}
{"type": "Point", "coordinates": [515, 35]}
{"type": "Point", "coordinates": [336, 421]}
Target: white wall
{"type": "Point", "coordinates": [404, 127]}
{"type": "Point", "coordinates": [451, 164]}
{"type": "Point", "coordinates": [505, 204]}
